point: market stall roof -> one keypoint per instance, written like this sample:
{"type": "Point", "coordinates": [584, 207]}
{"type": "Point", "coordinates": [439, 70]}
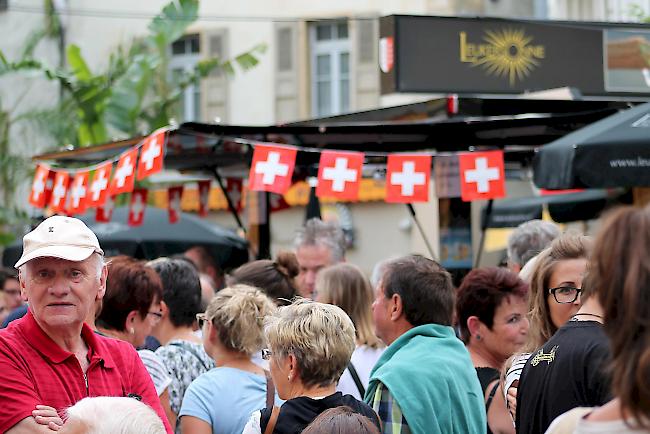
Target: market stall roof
{"type": "Point", "coordinates": [196, 146]}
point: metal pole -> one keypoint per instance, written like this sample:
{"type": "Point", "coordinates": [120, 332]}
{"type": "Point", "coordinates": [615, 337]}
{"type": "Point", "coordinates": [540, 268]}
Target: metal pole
{"type": "Point", "coordinates": [231, 206]}
{"type": "Point", "coordinates": [417, 223]}
{"type": "Point", "coordinates": [484, 226]}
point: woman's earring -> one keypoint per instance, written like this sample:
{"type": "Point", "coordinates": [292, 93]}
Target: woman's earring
{"type": "Point", "coordinates": [132, 331]}
{"type": "Point", "coordinates": [478, 337]}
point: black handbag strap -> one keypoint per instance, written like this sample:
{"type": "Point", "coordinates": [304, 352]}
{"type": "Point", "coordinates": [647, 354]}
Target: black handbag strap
{"type": "Point", "coordinates": [357, 380]}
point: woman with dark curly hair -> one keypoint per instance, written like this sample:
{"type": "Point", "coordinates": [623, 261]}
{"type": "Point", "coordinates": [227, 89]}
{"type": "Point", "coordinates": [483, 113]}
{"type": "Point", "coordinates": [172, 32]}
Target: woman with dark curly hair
{"type": "Point", "coordinates": [491, 306]}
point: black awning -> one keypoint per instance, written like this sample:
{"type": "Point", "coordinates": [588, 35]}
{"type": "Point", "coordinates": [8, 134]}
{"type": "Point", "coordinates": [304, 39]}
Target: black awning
{"type": "Point", "coordinates": [563, 208]}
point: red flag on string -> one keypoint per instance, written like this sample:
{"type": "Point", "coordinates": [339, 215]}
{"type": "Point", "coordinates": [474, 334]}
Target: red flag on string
{"type": "Point", "coordinates": [204, 197]}
{"type": "Point", "coordinates": [152, 154]}
{"type": "Point", "coordinates": [78, 193]}
{"type": "Point", "coordinates": [137, 206]}
{"type": "Point", "coordinates": [39, 185]}
{"type": "Point", "coordinates": [104, 212]}
{"type": "Point", "coordinates": [481, 175]}
{"type": "Point", "coordinates": [124, 175]}
{"type": "Point", "coordinates": [407, 178]}
{"type": "Point", "coordinates": [339, 174]}
{"type": "Point", "coordinates": [59, 191]}
{"type": "Point", "coordinates": [98, 188]}
{"type": "Point", "coordinates": [174, 195]}
{"type": "Point", "coordinates": [272, 168]}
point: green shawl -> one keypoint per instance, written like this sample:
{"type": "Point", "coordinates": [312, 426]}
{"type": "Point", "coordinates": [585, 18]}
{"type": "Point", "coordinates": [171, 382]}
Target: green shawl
{"type": "Point", "coordinates": [430, 374]}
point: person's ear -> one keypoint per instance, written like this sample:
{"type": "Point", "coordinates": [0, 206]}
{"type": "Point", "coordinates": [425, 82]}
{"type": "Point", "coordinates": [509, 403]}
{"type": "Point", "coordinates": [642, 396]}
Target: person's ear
{"type": "Point", "coordinates": [474, 326]}
{"type": "Point", "coordinates": [397, 307]}
{"type": "Point", "coordinates": [21, 280]}
{"type": "Point", "coordinates": [129, 322]}
{"type": "Point", "coordinates": [292, 365]}
{"type": "Point", "coordinates": [164, 309]}
{"type": "Point", "coordinates": [102, 282]}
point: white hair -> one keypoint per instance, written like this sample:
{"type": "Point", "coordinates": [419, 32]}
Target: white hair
{"type": "Point", "coordinates": [530, 238]}
{"type": "Point", "coordinates": [99, 264]}
{"type": "Point", "coordinates": [115, 415]}
{"type": "Point", "coordinates": [328, 234]}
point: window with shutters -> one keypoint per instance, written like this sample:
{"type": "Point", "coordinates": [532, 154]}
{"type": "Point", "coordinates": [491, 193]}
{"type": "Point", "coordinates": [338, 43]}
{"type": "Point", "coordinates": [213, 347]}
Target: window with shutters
{"type": "Point", "coordinates": [184, 57]}
{"type": "Point", "coordinates": [330, 68]}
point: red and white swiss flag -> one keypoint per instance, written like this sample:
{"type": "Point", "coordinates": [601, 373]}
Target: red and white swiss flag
{"type": "Point", "coordinates": [98, 188]}
{"type": "Point", "coordinates": [152, 154]}
{"type": "Point", "coordinates": [104, 212]}
{"type": "Point", "coordinates": [339, 174]}
{"type": "Point", "coordinates": [59, 191]}
{"type": "Point", "coordinates": [204, 197]}
{"type": "Point", "coordinates": [272, 168]}
{"type": "Point", "coordinates": [235, 190]}
{"type": "Point", "coordinates": [481, 175]}
{"type": "Point", "coordinates": [124, 175]}
{"type": "Point", "coordinates": [39, 185]}
{"type": "Point", "coordinates": [407, 178]}
{"type": "Point", "coordinates": [137, 206]}
{"type": "Point", "coordinates": [174, 195]}
{"type": "Point", "coordinates": [78, 193]}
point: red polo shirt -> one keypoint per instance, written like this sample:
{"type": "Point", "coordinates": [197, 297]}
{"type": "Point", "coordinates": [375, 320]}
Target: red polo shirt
{"type": "Point", "coordinates": [35, 370]}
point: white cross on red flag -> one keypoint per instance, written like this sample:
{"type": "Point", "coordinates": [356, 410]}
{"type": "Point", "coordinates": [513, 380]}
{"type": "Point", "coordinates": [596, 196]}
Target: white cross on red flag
{"type": "Point", "coordinates": [204, 197]}
{"type": "Point", "coordinates": [38, 194]}
{"type": "Point", "coordinates": [407, 178]}
{"type": "Point", "coordinates": [104, 212]}
{"type": "Point", "coordinates": [124, 175]}
{"type": "Point", "coordinates": [339, 175]}
{"type": "Point", "coordinates": [152, 154]}
{"type": "Point", "coordinates": [137, 206]}
{"type": "Point", "coordinates": [59, 191]}
{"type": "Point", "coordinates": [481, 175]}
{"type": "Point", "coordinates": [272, 168]}
{"type": "Point", "coordinates": [174, 195]}
{"type": "Point", "coordinates": [235, 190]}
{"type": "Point", "coordinates": [78, 193]}
{"type": "Point", "coordinates": [98, 188]}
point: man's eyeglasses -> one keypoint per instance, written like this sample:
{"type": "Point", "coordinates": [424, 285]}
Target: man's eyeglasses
{"type": "Point", "coordinates": [201, 319]}
{"type": "Point", "coordinates": [156, 315]}
{"type": "Point", "coordinates": [266, 354]}
{"type": "Point", "coordinates": [565, 294]}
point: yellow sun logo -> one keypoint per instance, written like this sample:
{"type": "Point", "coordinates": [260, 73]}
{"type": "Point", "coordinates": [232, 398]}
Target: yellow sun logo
{"type": "Point", "coordinates": [507, 53]}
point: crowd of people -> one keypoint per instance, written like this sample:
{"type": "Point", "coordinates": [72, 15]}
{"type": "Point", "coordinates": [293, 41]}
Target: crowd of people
{"type": "Point", "coordinates": [557, 341]}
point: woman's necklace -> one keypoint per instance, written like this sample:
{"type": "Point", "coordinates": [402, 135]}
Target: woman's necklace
{"type": "Point", "coordinates": [585, 314]}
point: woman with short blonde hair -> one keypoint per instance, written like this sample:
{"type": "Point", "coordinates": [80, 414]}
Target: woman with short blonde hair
{"type": "Point", "coordinates": [346, 286]}
{"type": "Point", "coordinates": [310, 346]}
{"type": "Point", "coordinates": [222, 399]}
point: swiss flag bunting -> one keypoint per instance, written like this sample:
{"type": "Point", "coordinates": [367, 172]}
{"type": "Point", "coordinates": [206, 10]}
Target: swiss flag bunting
{"type": "Point", "coordinates": [339, 174]}
{"type": "Point", "coordinates": [235, 190]}
{"type": "Point", "coordinates": [272, 168]}
{"type": "Point", "coordinates": [152, 154]}
{"type": "Point", "coordinates": [481, 175]}
{"type": "Point", "coordinates": [137, 206]}
{"type": "Point", "coordinates": [38, 195]}
{"type": "Point", "coordinates": [174, 195]}
{"type": "Point", "coordinates": [78, 193]}
{"type": "Point", "coordinates": [59, 191]}
{"type": "Point", "coordinates": [98, 188]}
{"type": "Point", "coordinates": [124, 175]}
{"type": "Point", "coordinates": [104, 212]}
{"type": "Point", "coordinates": [407, 178]}
{"type": "Point", "coordinates": [204, 197]}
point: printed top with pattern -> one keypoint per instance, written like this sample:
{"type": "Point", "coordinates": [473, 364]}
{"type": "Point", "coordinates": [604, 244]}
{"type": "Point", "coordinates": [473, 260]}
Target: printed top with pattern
{"type": "Point", "coordinates": [184, 361]}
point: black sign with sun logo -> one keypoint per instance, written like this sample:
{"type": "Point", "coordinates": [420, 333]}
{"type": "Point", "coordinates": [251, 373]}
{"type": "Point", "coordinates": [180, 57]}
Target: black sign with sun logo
{"type": "Point", "coordinates": [490, 55]}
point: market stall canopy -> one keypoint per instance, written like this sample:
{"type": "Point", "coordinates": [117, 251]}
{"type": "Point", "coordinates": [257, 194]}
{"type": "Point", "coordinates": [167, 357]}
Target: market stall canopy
{"type": "Point", "coordinates": [563, 208]}
{"type": "Point", "coordinates": [200, 146]}
{"type": "Point", "coordinates": [613, 152]}
{"type": "Point", "coordinates": [157, 237]}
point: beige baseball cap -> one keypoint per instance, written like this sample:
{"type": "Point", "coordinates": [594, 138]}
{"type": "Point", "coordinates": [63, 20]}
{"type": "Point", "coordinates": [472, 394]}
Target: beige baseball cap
{"type": "Point", "coordinates": [60, 237]}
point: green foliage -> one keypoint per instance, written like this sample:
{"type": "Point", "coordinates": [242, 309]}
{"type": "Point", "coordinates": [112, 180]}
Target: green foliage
{"type": "Point", "coordinates": [134, 94]}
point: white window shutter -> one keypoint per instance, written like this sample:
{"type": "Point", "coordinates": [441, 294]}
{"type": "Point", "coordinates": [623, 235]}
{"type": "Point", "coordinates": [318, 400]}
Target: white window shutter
{"type": "Point", "coordinates": [287, 78]}
{"type": "Point", "coordinates": [214, 87]}
{"type": "Point", "coordinates": [365, 79]}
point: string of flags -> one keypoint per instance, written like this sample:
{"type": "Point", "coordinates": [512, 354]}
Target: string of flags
{"type": "Point", "coordinates": [469, 175]}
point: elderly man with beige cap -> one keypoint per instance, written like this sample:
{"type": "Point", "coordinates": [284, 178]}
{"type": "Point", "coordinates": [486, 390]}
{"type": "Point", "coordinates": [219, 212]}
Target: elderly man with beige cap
{"type": "Point", "coordinates": [50, 357]}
